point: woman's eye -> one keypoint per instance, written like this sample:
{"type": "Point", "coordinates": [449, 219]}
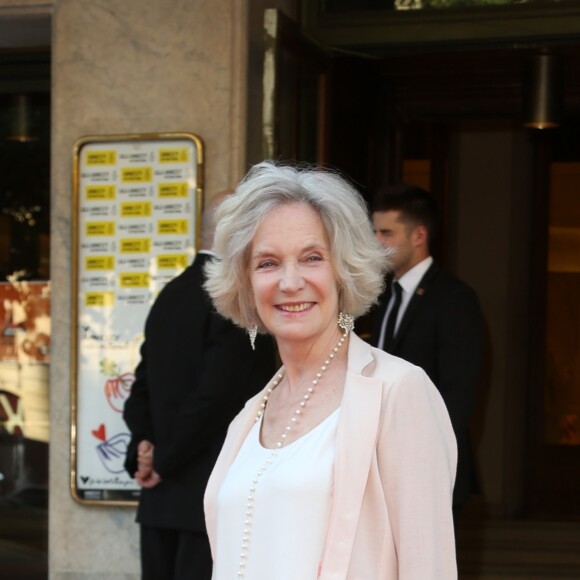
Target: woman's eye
{"type": "Point", "coordinates": [265, 264]}
{"type": "Point", "coordinates": [314, 258]}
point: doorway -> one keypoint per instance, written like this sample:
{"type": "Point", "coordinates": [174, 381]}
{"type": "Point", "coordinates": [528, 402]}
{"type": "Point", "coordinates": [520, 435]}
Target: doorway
{"type": "Point", "coordinates": [450, 120]}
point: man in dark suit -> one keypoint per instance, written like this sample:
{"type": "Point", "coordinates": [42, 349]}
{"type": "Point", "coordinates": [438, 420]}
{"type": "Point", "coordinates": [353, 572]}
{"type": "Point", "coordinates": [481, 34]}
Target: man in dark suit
{"type": "Point", "coordinates": [429, 317]}
{"type": "Point", "coordinates": [196, 371]}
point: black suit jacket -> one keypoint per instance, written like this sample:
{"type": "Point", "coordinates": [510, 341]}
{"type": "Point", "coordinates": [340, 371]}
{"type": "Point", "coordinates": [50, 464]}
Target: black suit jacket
{"type": "Point", "coordinates": [442, 332]}
{"type": "Point", "coordinates": [196, 371]}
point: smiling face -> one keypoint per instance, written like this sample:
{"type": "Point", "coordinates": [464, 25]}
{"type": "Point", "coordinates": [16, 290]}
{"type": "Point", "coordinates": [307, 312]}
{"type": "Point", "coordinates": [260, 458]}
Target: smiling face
{"type": "Point", "coordinates": [293, 282]}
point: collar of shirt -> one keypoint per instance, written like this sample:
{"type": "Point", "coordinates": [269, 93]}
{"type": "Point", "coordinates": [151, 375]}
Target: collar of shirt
{"type": "Point", "coordinates": [410, 279]}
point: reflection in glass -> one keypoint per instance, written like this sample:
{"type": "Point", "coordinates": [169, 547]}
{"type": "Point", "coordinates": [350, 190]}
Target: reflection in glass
{"type": "Point", "coordinates": [562, 392]}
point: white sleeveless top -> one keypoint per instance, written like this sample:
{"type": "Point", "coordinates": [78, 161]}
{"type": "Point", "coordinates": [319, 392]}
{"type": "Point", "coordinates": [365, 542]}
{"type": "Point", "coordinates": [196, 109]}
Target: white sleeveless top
{"type": "Point", "coordinates": [291, 507]}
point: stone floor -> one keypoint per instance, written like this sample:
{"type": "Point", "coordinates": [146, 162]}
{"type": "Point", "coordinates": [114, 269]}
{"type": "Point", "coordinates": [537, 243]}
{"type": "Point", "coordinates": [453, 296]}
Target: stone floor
{"type": "Point", "coordinates": [519, 550]}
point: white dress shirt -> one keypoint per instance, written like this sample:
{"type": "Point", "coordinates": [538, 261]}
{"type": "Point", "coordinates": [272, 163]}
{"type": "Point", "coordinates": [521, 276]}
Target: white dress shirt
{"type": "Point", "coordinates": [291, 507]}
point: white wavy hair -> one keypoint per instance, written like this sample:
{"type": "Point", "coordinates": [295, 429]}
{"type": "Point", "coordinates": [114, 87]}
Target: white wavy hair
{"type": "Point", "coordinates": [359, 261]}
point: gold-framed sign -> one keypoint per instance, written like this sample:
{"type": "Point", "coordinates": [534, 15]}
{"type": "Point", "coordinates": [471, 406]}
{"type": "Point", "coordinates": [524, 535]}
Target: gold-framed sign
{"type": "Point", "coordinates": [136, 214]}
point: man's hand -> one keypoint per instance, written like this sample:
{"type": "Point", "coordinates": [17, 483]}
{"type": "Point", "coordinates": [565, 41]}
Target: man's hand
{"type": "Point", "coordinates": [145, 475]}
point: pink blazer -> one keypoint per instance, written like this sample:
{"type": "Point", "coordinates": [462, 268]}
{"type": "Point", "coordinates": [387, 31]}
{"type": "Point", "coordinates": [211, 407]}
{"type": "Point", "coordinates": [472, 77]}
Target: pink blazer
{"type": "Point", "coordinates": [396, 456]}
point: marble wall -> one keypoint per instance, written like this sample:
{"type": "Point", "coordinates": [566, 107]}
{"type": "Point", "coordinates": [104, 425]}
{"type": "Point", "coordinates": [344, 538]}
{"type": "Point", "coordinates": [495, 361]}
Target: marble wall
{"type": "Point", "coordinates": [128, 67]}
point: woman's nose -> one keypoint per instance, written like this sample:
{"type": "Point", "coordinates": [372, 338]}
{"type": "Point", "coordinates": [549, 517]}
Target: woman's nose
{"type": "Point", "coordinates": [292, 279]}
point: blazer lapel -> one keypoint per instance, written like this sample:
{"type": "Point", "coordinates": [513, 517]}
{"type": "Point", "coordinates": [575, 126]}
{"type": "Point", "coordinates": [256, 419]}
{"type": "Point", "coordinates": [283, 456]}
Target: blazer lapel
{"type": "Point", "coordinates": [356, 438]}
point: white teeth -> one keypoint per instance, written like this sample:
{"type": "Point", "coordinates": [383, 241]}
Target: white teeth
{"type": "Point", "coordinates": [296, 307]}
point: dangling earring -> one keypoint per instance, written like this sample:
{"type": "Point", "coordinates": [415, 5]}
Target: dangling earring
{"type": "Point", "coordinates": [253, 332]}
{"type": "Point", "coordinates": [346, 322]}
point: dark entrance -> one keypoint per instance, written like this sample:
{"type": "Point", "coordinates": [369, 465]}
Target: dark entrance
{"type": "Point", "coordinates": [450, 119]}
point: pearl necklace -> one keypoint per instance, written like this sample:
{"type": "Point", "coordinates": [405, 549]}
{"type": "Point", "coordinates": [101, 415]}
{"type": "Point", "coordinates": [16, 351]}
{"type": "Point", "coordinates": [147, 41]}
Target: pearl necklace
{"type": "Point", "coordinates": [246, 536]}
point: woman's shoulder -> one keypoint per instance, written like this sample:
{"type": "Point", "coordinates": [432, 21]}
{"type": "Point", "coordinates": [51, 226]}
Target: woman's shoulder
{"type": "Point", "coordinates": [394, 364]}
{"type": "Point", "coordinates": [404, 383]}
{"type": "Point", "coordinates": [402, 378]}
{"type": "Point", "coordinates": [377, 363]}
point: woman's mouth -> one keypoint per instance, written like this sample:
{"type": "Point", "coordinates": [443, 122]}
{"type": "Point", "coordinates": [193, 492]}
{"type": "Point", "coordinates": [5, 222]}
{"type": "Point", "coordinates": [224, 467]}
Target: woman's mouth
{"type": "Point", "coordinates": [295, 307]}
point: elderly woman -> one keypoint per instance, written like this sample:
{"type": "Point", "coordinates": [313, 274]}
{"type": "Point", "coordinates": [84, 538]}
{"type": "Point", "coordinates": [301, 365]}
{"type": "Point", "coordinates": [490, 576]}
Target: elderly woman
{"type": "Point", "coordinates": [343, 466]}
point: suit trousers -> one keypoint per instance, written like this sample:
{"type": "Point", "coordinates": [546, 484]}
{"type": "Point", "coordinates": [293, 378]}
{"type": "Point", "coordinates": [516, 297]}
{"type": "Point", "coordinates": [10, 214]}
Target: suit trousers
{"type": "Point", "coordinates": [174, 554]}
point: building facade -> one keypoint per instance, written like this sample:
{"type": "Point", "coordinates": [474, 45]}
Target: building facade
{"type": "Point", "coordinates": [135, 67]}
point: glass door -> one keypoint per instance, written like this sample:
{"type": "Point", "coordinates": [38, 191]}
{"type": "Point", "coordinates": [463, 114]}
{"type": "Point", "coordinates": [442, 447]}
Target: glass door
{"type": "Point", "coordinates": [24, 313]}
